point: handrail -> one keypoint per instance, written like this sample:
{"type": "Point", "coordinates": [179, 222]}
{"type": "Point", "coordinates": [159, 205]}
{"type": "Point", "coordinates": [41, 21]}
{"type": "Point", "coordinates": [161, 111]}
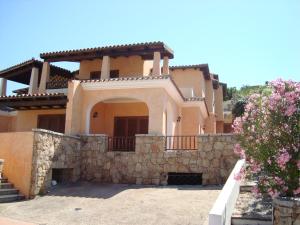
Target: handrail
{"type": "Point", "coordinates": [181, 143]}
{"type": "Point", "coordinates": [121, 143]}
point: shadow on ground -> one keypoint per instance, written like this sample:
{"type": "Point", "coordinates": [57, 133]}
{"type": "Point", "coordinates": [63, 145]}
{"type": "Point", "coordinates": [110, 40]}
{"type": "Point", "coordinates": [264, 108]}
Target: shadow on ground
{"type": "Point", "coordinates": [92, 190]}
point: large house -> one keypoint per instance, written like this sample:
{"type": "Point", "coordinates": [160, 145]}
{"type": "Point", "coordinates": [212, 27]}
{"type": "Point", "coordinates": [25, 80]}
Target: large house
{"type": "Point", "coordinates": [125, 116]}
{"type": "Point", "coordinates": [118, 90]}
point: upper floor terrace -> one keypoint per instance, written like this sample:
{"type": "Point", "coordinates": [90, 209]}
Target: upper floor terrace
{"type": "Point", "coordinates": [117, 72]}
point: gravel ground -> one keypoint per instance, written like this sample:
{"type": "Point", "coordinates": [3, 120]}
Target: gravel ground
{"type": "Point", "coordinates": [111, 204]}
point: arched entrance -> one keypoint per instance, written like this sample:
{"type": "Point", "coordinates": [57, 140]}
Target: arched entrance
{"type": "Point", "coordinates": [121, 119]}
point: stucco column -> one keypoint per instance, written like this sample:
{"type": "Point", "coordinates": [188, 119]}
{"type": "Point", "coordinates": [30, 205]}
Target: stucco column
{"type": "Point", "coordinates": [33, 86]}
{"type": "Point", "coordinates": [44, 77]}
{"type": "Point", "coordinates": [74, 108]}
{"type": "Point", "coordinates": [105, 68]}
{"type": "Point", "coordinates": [3, 84]}
{"type": "Point", "coordinates": [156, 64]}
{"type": "Point", "coordinates": [165, 65]}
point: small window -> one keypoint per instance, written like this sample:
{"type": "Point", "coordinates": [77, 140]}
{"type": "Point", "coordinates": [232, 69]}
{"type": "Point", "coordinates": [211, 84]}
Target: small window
{"type": "Point", "coordinates": [114, 74]}
{"type": "Point", "coordinates": [94, 75]}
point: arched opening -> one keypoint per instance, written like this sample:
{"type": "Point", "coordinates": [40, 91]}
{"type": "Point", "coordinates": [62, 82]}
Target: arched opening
{"type": "Point", "coordinates": [121, 119]}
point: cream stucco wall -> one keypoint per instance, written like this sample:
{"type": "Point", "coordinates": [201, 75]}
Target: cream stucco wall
{"type": "Point", "coordinates": [190, 78]}
{"type": "Point", "coordinates": [127, 66]}
{"type": "Point", "coordinates": [16, 150]}
{"type": "Point", "coordinates": [192, 121]}
{"type": "Point", "coordinates": [104, 122]}
{"type": "Point", "coordinates": [27, 120]}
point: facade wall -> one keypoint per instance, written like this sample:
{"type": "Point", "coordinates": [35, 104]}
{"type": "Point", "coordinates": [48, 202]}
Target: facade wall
{"type": "Point", "coordinates": [127, 66]}
{"type": "Point", "coordinates": [16, 150]}
{"type": "Point", "coordinates": [104, 122]}
{"type": "Point", "coordinates": [6, 123]}
{"type": "Point", "coordinates": [27, 120]}
{"type": "Point", "coordinates": [150, 163]}
{"type": "Point", "coordinates": [190, 78]}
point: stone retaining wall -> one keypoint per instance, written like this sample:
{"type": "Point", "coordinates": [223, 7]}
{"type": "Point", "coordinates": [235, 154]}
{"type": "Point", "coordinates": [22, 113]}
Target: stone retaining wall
{"type": "Point", "coordinates": [53, 150]}
{"type": "Point", "coordinates": [150, 163]}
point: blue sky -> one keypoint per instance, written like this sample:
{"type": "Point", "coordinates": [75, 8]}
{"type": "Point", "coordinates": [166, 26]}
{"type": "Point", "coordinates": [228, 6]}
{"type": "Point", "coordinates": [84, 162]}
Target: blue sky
{"type": "Point", "coordinates": [245, 42]}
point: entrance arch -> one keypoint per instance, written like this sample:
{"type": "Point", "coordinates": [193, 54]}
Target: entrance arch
{"type": "Point", "coordinates": [118, 117]}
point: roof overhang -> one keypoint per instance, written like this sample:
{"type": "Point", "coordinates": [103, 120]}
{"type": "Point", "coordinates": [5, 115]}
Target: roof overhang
{"type": "Point", "coordinates": [145, 50]}
{"type": "Point", "coordinates": [202, 67]}
{"type": "Point", "coordinates": [21, 72]}
{"type": "Point", "coordinates": [34, 102]}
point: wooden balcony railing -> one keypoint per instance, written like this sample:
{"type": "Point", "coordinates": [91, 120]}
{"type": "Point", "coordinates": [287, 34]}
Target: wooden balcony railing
{"type": "Point", "coordinates": [181, 143]}
{"type": "Point", "coordinates": [123, 144]}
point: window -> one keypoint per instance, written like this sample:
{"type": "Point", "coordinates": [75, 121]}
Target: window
{"type": "Point", "coordinates": [52, 122]}
{"type": "Point", "coordinates": [94, 75]}
{"type": "Point", "coordinates": [114, 74]}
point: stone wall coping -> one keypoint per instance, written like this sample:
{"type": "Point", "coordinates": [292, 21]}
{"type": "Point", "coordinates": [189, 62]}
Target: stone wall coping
{"type": "Point", "coordinates": [54, 133]}
{"type": "Point", "coordinates": [93, 135]}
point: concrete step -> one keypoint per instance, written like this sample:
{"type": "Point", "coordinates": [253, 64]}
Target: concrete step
{"type": "Point", "coordinates": [6, 185]}
{"type": "Point", "coordinates": [11, 198]}
{"type": "Point", "coordinates": [8, 191]}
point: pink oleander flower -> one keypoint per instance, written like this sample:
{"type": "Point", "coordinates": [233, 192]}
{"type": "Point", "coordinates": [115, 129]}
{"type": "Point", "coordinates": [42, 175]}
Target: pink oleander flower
{"type": "Point", "coordinates": [273, 193]}
{"type": "Point", "coordinates": [297, 191]}
{"type": "Point", "coordinates": [290, 110]}
{"type": "Point", "coordinates": [279, 181]}
{"type": "Point", "coordinates": [267, 132]}
{"type": "Point", "coordinates": [239, 151]}
{"type": "Point", "coordinates": [283, 158]}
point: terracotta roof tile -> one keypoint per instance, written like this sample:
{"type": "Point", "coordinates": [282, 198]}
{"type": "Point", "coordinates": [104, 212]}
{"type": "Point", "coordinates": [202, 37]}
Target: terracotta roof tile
{"type": "Point", "coordinates": [32, 61]}
{"type": "Point", "coordinates": [97, 52]}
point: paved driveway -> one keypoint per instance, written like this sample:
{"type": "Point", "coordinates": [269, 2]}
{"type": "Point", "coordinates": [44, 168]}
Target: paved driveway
{"type": "Point", "coordinates": [111, 204]}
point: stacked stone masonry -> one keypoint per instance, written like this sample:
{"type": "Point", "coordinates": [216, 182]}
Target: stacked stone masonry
{"type": "Point", "coordinates": [53, 150]}
{"type": "Point", "coordinates": [150, 163]}
{"type": "Point", "coordinates": [286, 211]}
{"type": "Point", "coordinates": [90, 160]}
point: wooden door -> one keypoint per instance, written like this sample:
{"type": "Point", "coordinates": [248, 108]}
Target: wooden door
{"type": "Point", "coordinates": [130, 126]}
{"type": "Point", "coordinates": [125, 129]}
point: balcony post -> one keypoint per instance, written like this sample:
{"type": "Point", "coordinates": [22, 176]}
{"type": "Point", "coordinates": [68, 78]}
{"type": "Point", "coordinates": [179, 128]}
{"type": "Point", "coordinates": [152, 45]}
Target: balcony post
{"type": "Point", "coordinates": [33, 86]}
{"type": "Point", "coordinates": [105, 69]}
{"type": "Point", "coordinates": [44, 77]}
{"type": "Point", "coordinates": [165, 65]}
{"type": "Point", "coordinates": [156, 64]}
{"type": "Point", "coordinates": [3, 84]}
